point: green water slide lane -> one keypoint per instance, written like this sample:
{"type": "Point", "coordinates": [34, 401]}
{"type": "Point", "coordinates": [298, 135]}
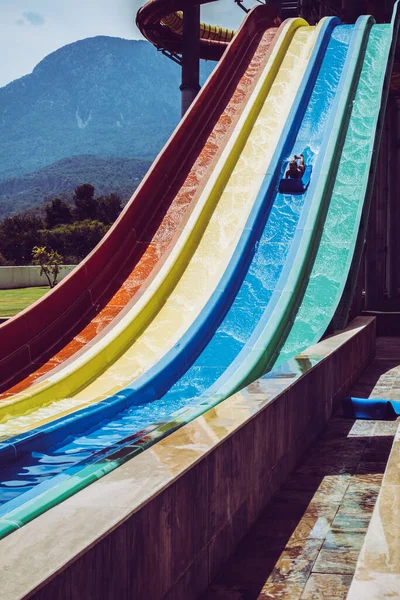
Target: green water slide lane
{"type": "Point", "coordinates": [341, 316]}
{"type": "Point", "coordinates": [351, 184]}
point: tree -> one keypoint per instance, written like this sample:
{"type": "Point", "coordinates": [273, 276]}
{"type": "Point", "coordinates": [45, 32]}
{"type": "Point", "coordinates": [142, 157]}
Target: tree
{"type": "Point", "coordinates": [85, 202]}
{"type": "Point", "coordinates": [109, 207]}
{"type": "Point", "coordinates": [18, 235]}
{"type": "Point", "coordinates": [57, 213]}
{"type": "Point", "coordinates": [72, 233]}
{"type": "Point", "coordinates": [76, 240]}
{"type": "Point", "coordinates": [49, 262]}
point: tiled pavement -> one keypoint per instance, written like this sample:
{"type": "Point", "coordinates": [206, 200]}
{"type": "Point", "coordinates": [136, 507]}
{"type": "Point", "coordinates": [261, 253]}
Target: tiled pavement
{"type": "Point", "coordinates": [377, 574]}
{"type": "Point", "coordinates": [382, 378]}
{"type": "Point", "coordinates": [306, 544]}
{"type": "Point", "coordinates": [378, 568]}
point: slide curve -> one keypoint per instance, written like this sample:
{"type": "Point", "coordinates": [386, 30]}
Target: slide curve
{"type": "Point", "coordinates": [85, 303]}
{"type": "Point", "coordinates": [194, 267]}
{"type": "Point", "coordinates": [290, 284]}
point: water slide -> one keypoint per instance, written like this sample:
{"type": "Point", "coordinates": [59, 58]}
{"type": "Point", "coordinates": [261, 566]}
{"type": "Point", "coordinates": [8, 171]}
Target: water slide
{"type": "Point", "coordinates": [273, 273]}
{"type": "Point", "coordinates": [161, 23]}
{"type": "Point", "coordinates": [193, 269]}
{"type": "Point", "coordinates": [94, 294]}
{"type": "Point", "coordinates": [246, 71]}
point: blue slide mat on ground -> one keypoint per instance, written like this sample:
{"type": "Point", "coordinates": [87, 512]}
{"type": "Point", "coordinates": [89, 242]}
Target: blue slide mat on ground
{"type": "Point", "coordinates": [371, 408]}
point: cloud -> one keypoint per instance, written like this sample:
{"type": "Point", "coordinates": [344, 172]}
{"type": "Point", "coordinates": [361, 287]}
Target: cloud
{"type": "Point", "coordinates": [31, 18]}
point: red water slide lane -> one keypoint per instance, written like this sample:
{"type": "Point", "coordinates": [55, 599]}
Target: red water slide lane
{"type": "Point", "coordinates": [91, 297]}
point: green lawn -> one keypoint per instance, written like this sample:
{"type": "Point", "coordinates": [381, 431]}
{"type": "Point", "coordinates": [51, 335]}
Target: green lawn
{"type": "Point", "coordinates": [13, 301]}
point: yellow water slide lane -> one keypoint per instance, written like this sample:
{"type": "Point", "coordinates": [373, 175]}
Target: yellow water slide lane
{"type": "Point", "coordinates": [194, 268]}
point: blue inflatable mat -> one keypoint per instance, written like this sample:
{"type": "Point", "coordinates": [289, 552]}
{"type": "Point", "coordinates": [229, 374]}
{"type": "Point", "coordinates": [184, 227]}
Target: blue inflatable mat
{"type": "Point", "coordinates": [371, 408]}
{"type": "Point", "coordinates": [296, 186]}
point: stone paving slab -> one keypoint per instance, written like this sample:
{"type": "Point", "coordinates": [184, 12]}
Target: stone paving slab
{"type": "Point", "coordinates": [377, 573]}
{"type": "Point", "coordinates": [307, 543]}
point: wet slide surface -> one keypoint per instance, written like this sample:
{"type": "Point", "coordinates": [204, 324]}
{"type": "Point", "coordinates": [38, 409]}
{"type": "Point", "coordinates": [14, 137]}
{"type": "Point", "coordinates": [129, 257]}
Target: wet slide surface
{"type": "Point", "coordinates": [166, 225]}
{"type": "Point", "coordinates": [161, 210]}
{"type": "Point", "coordinates": [256, 157]}
{"type": "Point", "coordinates": [335, 252]}
{"type": "Point", "coordinates": [276, 240]}
{"type": "Point", "coordinates": [199, 269]}
{"type": "Point", "coordinates": [62, 462]}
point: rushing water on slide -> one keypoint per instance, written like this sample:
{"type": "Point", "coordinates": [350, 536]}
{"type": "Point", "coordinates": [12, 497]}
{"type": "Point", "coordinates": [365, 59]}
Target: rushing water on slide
{"type": "Point", "coordinates": [36, 468]}
{"type": "Point", "coordinates": [336, 247]}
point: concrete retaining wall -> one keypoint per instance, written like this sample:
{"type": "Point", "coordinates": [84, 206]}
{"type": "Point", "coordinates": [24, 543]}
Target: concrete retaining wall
{"type": "Point", "coordinates": [162, 525]}
{"type": "Point", "coordinates": [21, 277]}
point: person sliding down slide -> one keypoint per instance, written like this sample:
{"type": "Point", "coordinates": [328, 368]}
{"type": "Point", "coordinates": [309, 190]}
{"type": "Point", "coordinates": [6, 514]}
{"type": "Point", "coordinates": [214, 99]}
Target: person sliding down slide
{"type": "Point", "coordinates": [296, 171]}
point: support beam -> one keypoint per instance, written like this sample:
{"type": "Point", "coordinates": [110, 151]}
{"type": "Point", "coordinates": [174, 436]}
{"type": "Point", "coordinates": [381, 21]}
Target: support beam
{"type": "Point", "coordinates": [394, 223]}
{"type": "Point", "coordinates": [190, 56]}
{"type": "Point", "coordinates": [381, 219]}
{"type": "Point", "coordinates": [371, 289]}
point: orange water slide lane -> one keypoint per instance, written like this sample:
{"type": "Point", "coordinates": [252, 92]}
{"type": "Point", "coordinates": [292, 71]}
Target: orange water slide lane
{"type": "Point", "coordinates": [170, 219]}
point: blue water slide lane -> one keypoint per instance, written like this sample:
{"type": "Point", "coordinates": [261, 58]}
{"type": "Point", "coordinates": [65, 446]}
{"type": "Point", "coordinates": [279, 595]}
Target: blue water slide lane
{"type": "Point", "coordinates": [78, 467]}
{"type": "Point", "coordinates": [180, 357]}
{"type": "Point", "coordinates": [278, 238]}
{"type": "Point", "coordinates": [256, 351]}
{"type": "Point", "coordinates": [195, 339]}
{"type": "Point", "coordinates": [262, 299]}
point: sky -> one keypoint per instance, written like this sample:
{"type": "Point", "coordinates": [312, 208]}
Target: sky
{"type": "Point", "coordinates": [32, 29]}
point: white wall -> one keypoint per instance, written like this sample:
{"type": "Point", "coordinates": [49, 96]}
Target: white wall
{"type": "Point", "coordinates": [20, 277]}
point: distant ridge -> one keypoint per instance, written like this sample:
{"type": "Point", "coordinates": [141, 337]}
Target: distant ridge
{"type": "Point", "coordinates": [100, 96]}
{"type": "Point", "coordinates": [119, 175]}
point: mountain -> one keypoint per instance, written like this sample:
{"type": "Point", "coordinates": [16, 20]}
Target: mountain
{"type": "Point", "coordinates": [100, 96]}
{"type": "Point", "coordinates": [119, 175]}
